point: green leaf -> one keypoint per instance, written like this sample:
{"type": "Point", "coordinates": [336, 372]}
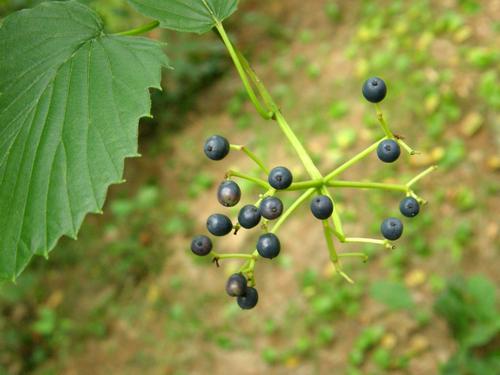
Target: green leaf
{"type": "Point", "coordinates": [470, 308]}
{"type": "Point", "coordinates": [482, 296]}
{"type": "Point", "coordinates": [482, 333]}
{"type": "Point", "coordinates": [70, 101]}
{"type": "Point", "coordinates": [394, 295]}
{"type": "Point", "coordinates": [197, 16]}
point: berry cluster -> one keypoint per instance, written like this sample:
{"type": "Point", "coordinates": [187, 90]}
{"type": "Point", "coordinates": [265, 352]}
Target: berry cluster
{"type": "Point", "coordinates": [270, 208]}
{"type": "Point", "coordinates": [388, 151]}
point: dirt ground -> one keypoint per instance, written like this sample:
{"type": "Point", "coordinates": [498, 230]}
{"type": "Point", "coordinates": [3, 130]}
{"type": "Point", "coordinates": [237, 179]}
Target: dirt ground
{"type": "Point", "coordinates": [137, 339]}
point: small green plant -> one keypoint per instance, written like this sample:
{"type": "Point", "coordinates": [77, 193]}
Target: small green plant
{"type": "Point", "coordinates": [470, 309]}
{"type": "Point", "coordinates": [69, 112]}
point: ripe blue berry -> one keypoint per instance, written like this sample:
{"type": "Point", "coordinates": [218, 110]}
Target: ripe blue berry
{"type": "Point", "coordinates": [409, 207]}
{"type": "Point", "coordinates": [216, 147]}
{"type": "Point", "coordinates": [229, 193]}
{"type": "Point", "coordinates": [374, 90]}
{"type": "Point", "coordinates": [271, 208]}
{"type": "Point", "coordinates": [280, 178]}
{"type": "Point", "coordinates": [388, 150]}
{"type": "Point", "coordinates": [201, 245]}
{"type": "Point", "coordinates": [391, 228]}
{"type": "Point", "coordinates": [268, 246]}
{"type": "Point", "coordinates": [249, 300]}
{"type": "Point", "coordinates": [249, 216]}
{"type": "Point", "coordinates": [236, 285]}
{"type": "Point", "coordinates": [219, 225]}
{"type": "Point", "coordinates": [321, 207]}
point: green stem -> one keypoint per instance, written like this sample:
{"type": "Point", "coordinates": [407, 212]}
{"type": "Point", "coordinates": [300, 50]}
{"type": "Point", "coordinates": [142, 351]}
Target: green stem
{"type": "Point", "coordinates": [338, 231]}
{"type": "Point", "coordinates": [386, 243]}
{"type": "Point", "coordinates": [267, 108]}
{"type": "Point", "coordinates": [244, 176]}
{"type": "Point", "coordinates": [264, 93]}
{"type": "Point", "coordinates": [368, 185]}
{"type": "Point", "coordinates": [252, 156]}
{"type": "Point", "coordinates": [266, 114]}
{"type": "Point", "coordinates": [389, 134]}
{"type": "Point", "coordinates": [273, 112]}
{"type": "Point", "coordinates": [250, 264]}
{"type": "Point", "coordinates": [367, 151]}
{"type": "Point", "coordinates": [364, 240]}
{"type": "Point", "coordinates": [141, 29]}
{"type": "Point", "coordinates": [248, 270]}
{"type": "Point", "coordinates": [406, 147]}
{"type": "Point", "coordinates": [363, 256]}
{"type": "Point", "coordinates": [329, 243]}
{"type": "Point", "coordinates": [309, 165]}
{"type": "Point", "coordinates": [382, 122]}
{"type": "Point", "coordinates": [231, 256]}
{"type": "Point", "coordinates": [292, 208]}
{"type": "Point", "coordinates": [421, 175]}
{"type": "Point", "coordinates": [419, 199]}
{"type": "Point", "coordinates": [268, 193]}
{"type": "Point", "coordinates": [245, 71]}
{"type": "Point", "coordinates": [303, 185]}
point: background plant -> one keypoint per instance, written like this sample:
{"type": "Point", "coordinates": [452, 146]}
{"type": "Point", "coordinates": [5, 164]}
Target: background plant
{"type": "Point", "coordinates": [456, 238]}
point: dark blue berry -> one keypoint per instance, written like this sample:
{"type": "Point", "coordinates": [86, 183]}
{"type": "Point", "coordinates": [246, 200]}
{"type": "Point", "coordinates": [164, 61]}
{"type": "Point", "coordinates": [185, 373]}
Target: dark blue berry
{"type": "Point", "coordinates": [219, 225]}
{"type": "Point", "coordinates": [409, 207]}
{"type": "Point", "coordinates": [249, 216]}
{"type": "Point", "coordinates": [216, 147]}
{"type": "Point", "coordinates": [236, 285]}
{"type": "Point", "coordinates": [271, 208]}
{"type": "Point", "coordinates": [391, 228]}
{"type": "Point", "coordinates": [229, 193]}
{"type": "Point", "coordinates": [321, 207]}
{"type": "Point", "coordinates": [249, 300]}
{"type": "Point", "coordinates": [268, 246]}
{"type": "Point", "coordinates": [201, 245]}
{"type": "Point", "coordinates": [374, 90]}
{"type": "Point", "coordinates": [280, 178]}
{"type": "Point", "coordinates": [388, 150]}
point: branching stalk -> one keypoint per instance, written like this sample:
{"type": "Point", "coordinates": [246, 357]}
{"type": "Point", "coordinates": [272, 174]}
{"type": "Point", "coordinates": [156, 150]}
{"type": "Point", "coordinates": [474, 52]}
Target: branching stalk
{"type": "Point", "coordinates": [264, 112]}
{"type": "Point", "coordinates": [368, 185]}
{"type": "Point", "coordinates": [231, 256]}
{"type": "Point", "coordinates": [421, 175]}
{"type": "Point", "coordinates": [252, 156]}
{"type": "Point", "coordinates": [363, 256]}
{"type": "Point", "coordinates": [255, 180]}
{"type": "Point", "coordinates": [292, 208]}
{"type": "Point", "coordinates": [382, 122]}
{"type": "Point", "coordinates": [363, 154]}
{"type": "Point", "coordinates": [267, 108]}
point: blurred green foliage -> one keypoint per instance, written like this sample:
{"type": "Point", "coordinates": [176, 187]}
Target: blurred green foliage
{"type": "Point", "coordinates": [395, 295]}
{"type": "Point", "coordinates": [130, 269]}
{"type": "Point", "coordinates": [470, 307]}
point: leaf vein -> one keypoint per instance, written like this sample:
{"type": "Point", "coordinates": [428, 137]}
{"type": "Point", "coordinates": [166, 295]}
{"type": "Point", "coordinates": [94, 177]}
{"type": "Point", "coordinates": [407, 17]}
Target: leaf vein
{"type": "Point", "coordinates": [89, 123]}
{"type": "Point", "coordinates": [115, 107]}
{"type": "Point", "coordinates": [19, 235]}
